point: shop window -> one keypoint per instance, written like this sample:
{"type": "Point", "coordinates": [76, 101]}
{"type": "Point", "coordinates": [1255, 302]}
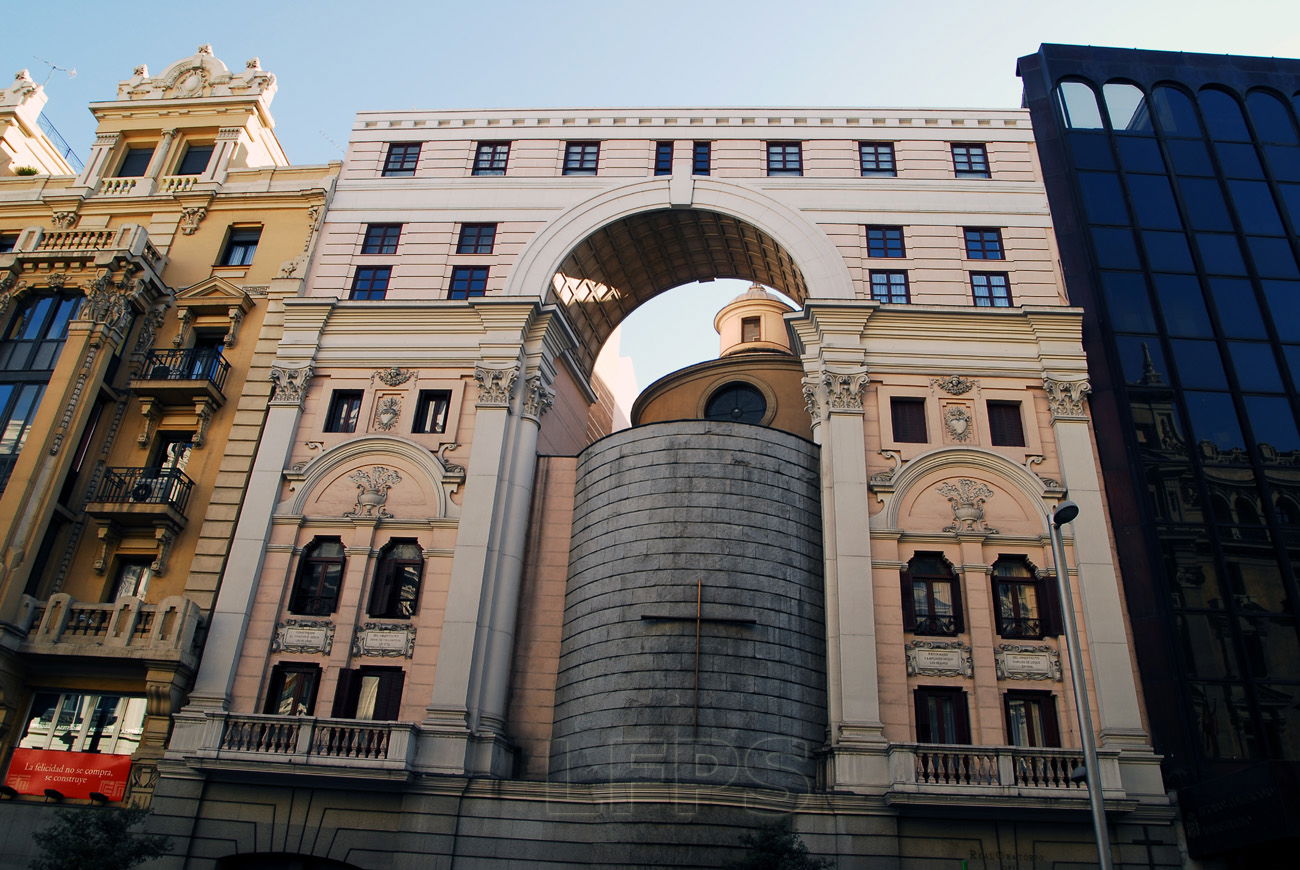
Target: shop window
{"type": "Point", "coordinates": [319, 578]}
{"type": "Point", "coordinates": [70, 721]}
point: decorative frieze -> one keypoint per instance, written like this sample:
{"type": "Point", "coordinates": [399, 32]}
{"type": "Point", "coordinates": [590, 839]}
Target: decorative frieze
{"type": "Point", "coordinates": [1014, 661]}
{"type": "Point", "coordinates": [1066, 398]}
{"type": "Point", "coordinates": [967, 498]}
{"type": "Point", "coordinates": [939, 658]}
{"type": "Point", "coordinates": [495, 386]}
{"type": "Point", "coordinates": [303, 636]}
{"type": "Point", "coordinates": [954, 385]}
{"type": "Point", "coordinates": [385, 640]}
{"type": "Point", "coordinates": [372, 492]}
{"type": "Point", "coordinates": [289, 386]}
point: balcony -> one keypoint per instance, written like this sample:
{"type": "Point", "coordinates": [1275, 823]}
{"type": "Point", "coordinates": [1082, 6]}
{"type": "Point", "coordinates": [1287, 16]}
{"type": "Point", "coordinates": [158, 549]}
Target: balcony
{"type": "Point", "coordinates": [142, 496]}
{"type": "Point", "coordinates": [928, 774]}
{"type": "Point", "coordinates": [123, 629]}
{"type": "Point", "coordinates": [99, 247]}
{"type": "Point", "coordinates": [333, 747]}
{"type": "Point", "coordinates": [183, 377]}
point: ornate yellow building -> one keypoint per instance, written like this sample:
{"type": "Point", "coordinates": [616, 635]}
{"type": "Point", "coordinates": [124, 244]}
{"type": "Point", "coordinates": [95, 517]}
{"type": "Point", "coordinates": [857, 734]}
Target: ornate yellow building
{"type": "Point", "coordinates": [142, 302]}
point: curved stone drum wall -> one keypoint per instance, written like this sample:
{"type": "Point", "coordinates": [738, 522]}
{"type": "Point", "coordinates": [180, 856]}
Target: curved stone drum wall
{"type": "Point", "coordinates": [674, 521]}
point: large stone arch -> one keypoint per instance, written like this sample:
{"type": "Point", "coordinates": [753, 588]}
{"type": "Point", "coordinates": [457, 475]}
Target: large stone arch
{"type": "Point", "coordinates": [369, 452]}
{"type": "Point", "coordinates": [967, 461]}
{"type": "Point", "coordinates": [725, 230]}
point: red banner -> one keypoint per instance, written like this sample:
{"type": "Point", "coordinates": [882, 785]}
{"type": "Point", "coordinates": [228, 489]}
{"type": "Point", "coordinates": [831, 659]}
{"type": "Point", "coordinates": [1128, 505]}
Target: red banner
{"type": "Point", "coordinates": [72, 774]}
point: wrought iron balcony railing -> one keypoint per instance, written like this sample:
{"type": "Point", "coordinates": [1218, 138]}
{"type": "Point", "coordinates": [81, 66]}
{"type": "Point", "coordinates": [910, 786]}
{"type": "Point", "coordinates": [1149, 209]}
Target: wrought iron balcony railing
{"type": "Point", "coordinates": [188, 364]}
{"type": "Point", "coordinates": [1020, 628]}
{"type": "Point", "coordinates": [145, 486]}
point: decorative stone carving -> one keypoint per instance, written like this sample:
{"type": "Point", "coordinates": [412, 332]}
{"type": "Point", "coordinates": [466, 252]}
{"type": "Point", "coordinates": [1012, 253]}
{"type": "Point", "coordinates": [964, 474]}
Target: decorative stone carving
{"type": "Point", "coordinates": [394, 377]}
{"type": "Point", "coordinates": [1014, 661]}
{"type": "Point", "coordinates": [165, 538]}
{"type": "Point", "coordinates": [107, 303]}
{"type": "Point", "coordinates": [939, 658]}
{"type": "Point", "coordinates": [844, 390]}
{"type": "Point", "coordinates": [108, 537]}
{"type": "Point", "coordinates": [967, 498]}
{"type": "Point", "coordinates": [184, 317]}
{"type": "Point", "coordinates": [810, 403]}
{"type": "Point", "coordinates": [64, 220]}
{"type": "Point", "coordinates": [1037, 459]}
{"type": "Point", "coordinates": [303, 636]}
{"type": "Point", "coordinates": [203, 417]}
{"type": "Point", "coordinates": [58, 280]}
{"type": "Point", "coordinates": [151, 413]}
{"type": "Point", "coordinates": [289, 386]}
{"type": "Point", "coordinates": [452, 469]}
{"type": "Point", "coordinates": [384, 639]}
{"type": "Point", "coordinates": [191, 217]}
{"type": "Point", "coordinates": [289, 268]}
{"type": "Point", "coordinates": [957, 421]}
{"type": "Point", "coordinates": [236, 315]}
{"type": "Point", "coordinates": [495, 386]}
{"type": "Point", "coordinates": [538, 397]}
{"type": "Point", "coordinates": [388, 413]}
{"type": "Point", "coordinates": [372, 492]}
{"type": "Point", "coordinates": [1066, 398]}
{"type": "Point", "coordinates": [954, 385]}
{"type": "Point", "coordinates": [883, 478]}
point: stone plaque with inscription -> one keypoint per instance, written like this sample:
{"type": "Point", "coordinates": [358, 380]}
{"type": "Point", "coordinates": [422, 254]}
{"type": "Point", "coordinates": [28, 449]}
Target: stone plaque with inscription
{"type": "Point", "coordinates": [1023, 662]}
{"type": "Point", "coordinates": [930, 658]}
{"type": "Point", "coordinates": [304, 636]}
{"type": "Point", "coordinates": [382, 639]}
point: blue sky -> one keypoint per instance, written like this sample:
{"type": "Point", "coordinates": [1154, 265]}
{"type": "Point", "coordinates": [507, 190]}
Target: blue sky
{"type": "Point", "coordinates": [332, 59]}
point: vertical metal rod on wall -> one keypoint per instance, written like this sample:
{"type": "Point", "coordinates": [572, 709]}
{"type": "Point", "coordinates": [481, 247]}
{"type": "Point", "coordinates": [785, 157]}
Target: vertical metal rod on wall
{"type": "Point", "coordinates": [1066, 512]}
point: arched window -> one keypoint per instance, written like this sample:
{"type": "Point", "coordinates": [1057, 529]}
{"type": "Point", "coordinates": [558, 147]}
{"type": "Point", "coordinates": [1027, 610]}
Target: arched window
{"type": "Point", "coordinates": [736, 402]}
{"type": "Point", "coordinates": [1026, 606]}
{"type": "Point", "coordinates": [1223, 115]}
{"type": "Point", "coordinates": [1078, 105]}
{"type": "Point", "coordinates": [320, 576]}
{"type": "Point", "coordinates": [1271, 118]}
{"type": "Point", "coordinates": [1175, 113]}
{"type": "Point", "coordinates": [396, 592]}
{"type": "Point", "coordinates": [931, 596]}
{"type": "Point", "coordinates": [1127, 107]}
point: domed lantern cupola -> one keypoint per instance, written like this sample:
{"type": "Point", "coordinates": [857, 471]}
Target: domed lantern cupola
{"type": "Point", "coordinates": [753, 322]}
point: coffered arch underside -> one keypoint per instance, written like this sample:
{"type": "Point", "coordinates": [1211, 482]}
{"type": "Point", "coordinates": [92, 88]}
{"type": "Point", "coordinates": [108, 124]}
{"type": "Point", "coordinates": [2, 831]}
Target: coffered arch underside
{"type": "Point", "coordinates": [603, 258]}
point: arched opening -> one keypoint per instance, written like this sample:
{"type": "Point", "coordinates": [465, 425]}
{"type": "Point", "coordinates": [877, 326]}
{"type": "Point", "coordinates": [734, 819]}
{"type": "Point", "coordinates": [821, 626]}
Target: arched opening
{"type": "Point", "coordinates": [623, 264]}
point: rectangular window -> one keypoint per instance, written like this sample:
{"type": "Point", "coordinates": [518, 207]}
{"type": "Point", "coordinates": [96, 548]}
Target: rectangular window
{"type": "Point", "coordinates": [885, 242]}
{"type": "Point", "coordinates": [81, 722]}
{"type": "Point", "coordinates": [751, 328]}
{"type": "Point", "coordinates": [490, 158]}
{"type": "Point", "coordinates": [970, 161]}
{"type": "Point", "coordinates": [344, 411]}
{"type": "Point", "coordinates": [581, 158]}
{"type": "Point", "coordinates": [401, 159]}
{"type": "Point", "coordinates": [908, 418]}
{"type": "Point", "coordinates": [889, 286]}
{"type": "Point", "coordinates": [983, 244]}
{"type": "Point", "coordinates": [785, 158]}
{"type": "Point", "coordinates": [467, 281]}
{"type": "Point", "coordinates": [991, 289]}
{"type": "Point", "coordinates": [702, 158]}
{"type": "Point", "coordinates": [1026, 604]}
{"type": "Point", "coordinates": [1005, 426]}
{"type": "Point", "coordinates": [877, 158]}
{"type": "Point", "coordinates": [8, 241]}
{"type": "Point", "coordinates": [292, 690]}
{"type": "Point", "coordinates": [941, 715]}
{"type": "Point", "coordinates": [370, 282]}
{"type": "Point", "coordinates": [431, 411]}
{"type": "Point", "coordinates": [135, 162]}
{"type": "Point", "coordinates": [241, 245]}
{"type": "Point", "coordinates": [131, 579]}
{"type": "Point", "coordinates": [476, 238]}
{"type": "Point", "coordinates": [931, 596]}
{"type": "Point", "coordinates": [381, 238]}
{"type": "Point", "coordinates": [663, 158]}
{"type": "Point", "coordinates": [1031, 719]}
{"type": "Point", "coordinates": [195, 160]}
{"type": "Point", "coordinates": [372, 693]}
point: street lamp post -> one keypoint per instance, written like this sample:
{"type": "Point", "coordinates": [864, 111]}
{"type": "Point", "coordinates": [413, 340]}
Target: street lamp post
{"type": "Point", "coordinates": [1065, 513]}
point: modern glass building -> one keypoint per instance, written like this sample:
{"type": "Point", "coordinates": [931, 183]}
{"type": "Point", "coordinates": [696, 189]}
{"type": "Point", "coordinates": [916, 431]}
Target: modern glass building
{"type": "Point", "coordinates": [1174, 182]}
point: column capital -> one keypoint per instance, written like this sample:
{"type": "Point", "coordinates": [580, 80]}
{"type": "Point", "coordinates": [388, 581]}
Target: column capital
{"type": "Point", "coordinates": [289, 386]}
{"type": "Point", "coordinates": [538, 398]}
{"type": "Point", "coordinates": [495, 385]}
{"type": "Point", "coordinates": [834, 391]}
{"type": "Point", "coordinates": [1066, 398]}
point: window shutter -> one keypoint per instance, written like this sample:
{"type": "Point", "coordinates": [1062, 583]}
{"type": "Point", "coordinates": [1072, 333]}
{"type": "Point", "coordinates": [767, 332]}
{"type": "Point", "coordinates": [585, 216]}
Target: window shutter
{"type": "Point", "coordinates": [381, 596]}
{"type": "Point", "coordinates": [961, 714]}
{"type": "Point", "coordinates": [908, 417]}
{"type": "Point", "coordinates": [958, 621]}
{"type": "Point", "coordinates": [1050, 730]}
{"type": "Point", "coordinates": [389, 701]}
{"type": "Point", "coordinates": [345, 696]}
{"type": "Point", "coordinates": [1006, 429]}
{"type": "Point", "coordinates": [1049, 605]}
{"type": "Point", "coordinates": [909, 602]}
{"type": "Point", "coordinates": [922, 716]}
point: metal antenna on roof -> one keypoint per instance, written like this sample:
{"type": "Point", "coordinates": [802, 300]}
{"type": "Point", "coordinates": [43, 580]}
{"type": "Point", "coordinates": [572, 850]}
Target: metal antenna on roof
{"type": "Point", "coordinates": [72, 72]}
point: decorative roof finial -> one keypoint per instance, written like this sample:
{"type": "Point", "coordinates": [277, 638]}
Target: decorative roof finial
{"type": "Point", "coordinates": [205, 48]}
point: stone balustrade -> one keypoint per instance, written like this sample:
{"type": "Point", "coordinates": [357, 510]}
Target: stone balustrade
{"type": "Point", "coordinates": [126, 628]}
{"type": "Point", "coordinates": [306, 740]}
{"type": "Point", "coordinates": [996, 770]}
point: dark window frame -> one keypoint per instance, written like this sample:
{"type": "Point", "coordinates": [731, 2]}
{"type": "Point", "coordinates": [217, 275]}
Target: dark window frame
{"type": "Point", "coordinates": [275, 689]}
{"type": "Point", "coordinates": [886, 242]}
{"type": "Point", "coordinates": [971, 160]}
{"type": "Point", "coordinates": [476, 238]}
{"type": "Point", "coordinates": [135, 162]}
{"type": "Point", "coordinates": [401, 160]}
{"type": "Point", "coordinates": [344, 413]}
{"type": "Point", "coordinates": [877, 159]}
{"type": "Point", "coordinates": [921, 615]}
{"type": "Point", "coordinates": [1045, 702]}
{"type": "Point", "coordinates": [388, 694]}
{"type": "Point", "coordinates": [581, 158]}
{"type": "Point", "coordinates": [240, 246]}
{"type": "Point", "coordinates": [381, 238]}
{"type": "Point", "coordinates": [991, 289]}
{"type": "Point", "coordinates": [1006, 424]}
{"type": "Point", "coordinates": [701, 158]}
{"type": "Point", "coordinates": [431, 402]}
{"type": "Point", "coordinates": [491, 158]}
{"type": "Point", "coordinates": [983, 243]}
{"type": "Point", "coordinates": [785, 158]}
{"type": "Point", "coordinates": [905, 430]}
{"type": "Point", "coordinates": [467, 282]}
{"type": "Point", "coordinates": [370, 283]}
{"type": "Point", "coordinates": [396, 593]}
{"type": "Point", "coordinates": [1011, 620]}
{"type": "Point", "coordinates": [8, 241]}
{"type": "Point", "coordinates": [957, 700]}
{"type": "Point", "coordinates": [186, 165]}
{"type": "Point", "coordinates": [663, 163]}
{"type": "Point", "coordinates": [751, 329]}
{"type": "Point", "coordinates": [316, 588]}
{"type": "Point", "coordinates": [889, 280]}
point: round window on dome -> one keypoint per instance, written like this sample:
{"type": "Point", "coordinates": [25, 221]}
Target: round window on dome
{"type": "Point", "coordinates": [737, 402]}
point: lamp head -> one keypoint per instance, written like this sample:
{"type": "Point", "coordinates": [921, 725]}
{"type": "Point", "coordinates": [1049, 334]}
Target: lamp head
{"type": "Point", "coordinates": [1065, 512]}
